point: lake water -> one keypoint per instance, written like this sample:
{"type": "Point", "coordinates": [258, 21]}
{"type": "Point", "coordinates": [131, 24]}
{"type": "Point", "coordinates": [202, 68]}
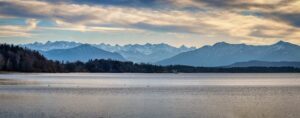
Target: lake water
{"type": "Point", "coordinates": [150, 95]}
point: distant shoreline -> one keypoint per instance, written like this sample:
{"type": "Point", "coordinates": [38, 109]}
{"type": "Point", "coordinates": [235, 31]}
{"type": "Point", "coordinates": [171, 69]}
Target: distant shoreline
{"type": "Point", "coordinates": [205, 70]}
{"type": "Point", "coordinates": [18, 59]}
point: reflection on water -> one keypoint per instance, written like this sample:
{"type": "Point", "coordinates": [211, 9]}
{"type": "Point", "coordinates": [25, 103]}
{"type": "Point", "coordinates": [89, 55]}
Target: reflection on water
{"type": "Point", "coordinates": [15, 82]}
{"type": "Point", "coordinates": [150, 95]}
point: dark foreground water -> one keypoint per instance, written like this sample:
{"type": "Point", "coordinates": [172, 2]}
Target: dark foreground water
{"type": "Point", "coordinates": [150, 95]}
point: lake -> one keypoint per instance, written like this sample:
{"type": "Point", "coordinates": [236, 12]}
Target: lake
{"type": "Point", "coordinates": [112, 95]}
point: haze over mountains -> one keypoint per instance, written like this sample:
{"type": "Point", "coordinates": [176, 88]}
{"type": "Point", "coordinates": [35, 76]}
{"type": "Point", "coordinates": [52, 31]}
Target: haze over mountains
{"type": "Point", "coordinates": [82, 52]}
{"type": "Point", "coordinates": [219, 54]}
{"type": "Point", "coordinates": [222, 54]}
{"type": "Point", "coordinates": [51, 45]}
{"type": "Point", "coordinates": [147, 53]}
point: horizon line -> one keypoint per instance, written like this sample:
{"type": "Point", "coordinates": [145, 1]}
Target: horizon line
{"type": "Point", "coordinates": [45, 42]}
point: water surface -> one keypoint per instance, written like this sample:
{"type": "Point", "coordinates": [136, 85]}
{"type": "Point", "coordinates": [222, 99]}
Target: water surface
{"type": "Point", "coordinates": [150, 95]}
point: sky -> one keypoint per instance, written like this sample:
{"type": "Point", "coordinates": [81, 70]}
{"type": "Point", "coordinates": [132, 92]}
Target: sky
{"type": "Point", "coordinates": [175, 22]}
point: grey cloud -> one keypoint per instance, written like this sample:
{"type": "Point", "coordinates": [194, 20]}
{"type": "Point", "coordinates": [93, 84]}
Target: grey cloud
{"type": "Point", "coordinates": [160, 28]}
{"type": "Point", "coordinates": [123, 3]}
{"type": "Point", "coordinates": [11, 9]}
{"type": "Point", "coordinates": [41, 11]}
{"type": "Point", "coordinates": [264, 10]}
{"type": "Point", "coordinates": [290, 18]}
{"type": "Point", "coordinates": [260, 32]}
{"type": "Point", "coordinates": [239, 4]}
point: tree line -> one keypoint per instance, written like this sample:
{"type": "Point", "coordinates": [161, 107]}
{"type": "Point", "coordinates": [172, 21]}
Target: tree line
{"type": "Point", "coordinates": [18, 59]}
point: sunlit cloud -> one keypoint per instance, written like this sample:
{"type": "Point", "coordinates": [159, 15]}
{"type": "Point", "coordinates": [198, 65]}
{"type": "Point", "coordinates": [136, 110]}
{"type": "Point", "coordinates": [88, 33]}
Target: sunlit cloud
{"type": "Point", "coordinates": [18, 31]}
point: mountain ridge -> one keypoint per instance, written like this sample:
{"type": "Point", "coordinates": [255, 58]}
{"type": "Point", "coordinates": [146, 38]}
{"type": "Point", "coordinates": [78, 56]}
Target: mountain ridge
{"type": "Point", "coordinates": [209, 55]}
{"type": "Point", "coordinates": [82, 52]}
{"type": "Point", "coordinates": [145, 53]}
{"type": "Point", "coordinates": [222, 54]}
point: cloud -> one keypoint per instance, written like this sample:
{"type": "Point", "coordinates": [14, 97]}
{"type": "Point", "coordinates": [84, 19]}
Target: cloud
{"type": "Point", "coordinates": [32, 23]}
{"type": "Point", "coordinates": [82, 28]}
{"type": "Point", "coordinates": [121, 3]}
{"type": "Point", "coordinates": [241, 4]}
{"type": "Point", "coordinates": [18, 8]}
{"type": "Point", "coordinates": [19, 31]}
{"type": "Point", "coordinates": [287, 11]}
{"type": "Point", "coordinates": [13, 31]}
{"type": "Point", "coordinates": [289, 18]}
{"type": "Point", "coordinates": [242, 20]}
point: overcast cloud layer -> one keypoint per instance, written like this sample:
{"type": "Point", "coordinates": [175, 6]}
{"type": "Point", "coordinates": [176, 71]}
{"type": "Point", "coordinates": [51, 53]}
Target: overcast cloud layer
{"type": "Point", "coordinates": [244, 21]}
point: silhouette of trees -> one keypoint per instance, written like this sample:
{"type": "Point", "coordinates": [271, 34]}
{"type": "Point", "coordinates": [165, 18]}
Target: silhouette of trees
{"type": "Point", "coordinates": [15, 58]}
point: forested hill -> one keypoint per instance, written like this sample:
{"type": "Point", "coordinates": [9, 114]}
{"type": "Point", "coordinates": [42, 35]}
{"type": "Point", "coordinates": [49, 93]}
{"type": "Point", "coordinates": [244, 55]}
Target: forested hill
{"type": "Point", "coordinates": [15, 58]}
{"type": "Point", "coordinates": [18, 59]}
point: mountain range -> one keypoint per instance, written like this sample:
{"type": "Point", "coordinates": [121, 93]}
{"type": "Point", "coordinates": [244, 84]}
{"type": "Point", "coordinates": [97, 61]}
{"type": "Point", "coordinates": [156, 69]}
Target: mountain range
{"type": "Point", "coordinates": [147, 53]}
{"type": "Point", "coordinates": [51, 45]}
{"type": "Point", "coordinates": [219, 54]}
{"type": "Point", "coordinates": [82, 52]}
{"type": "Point", "coordinates": [223, 54]}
